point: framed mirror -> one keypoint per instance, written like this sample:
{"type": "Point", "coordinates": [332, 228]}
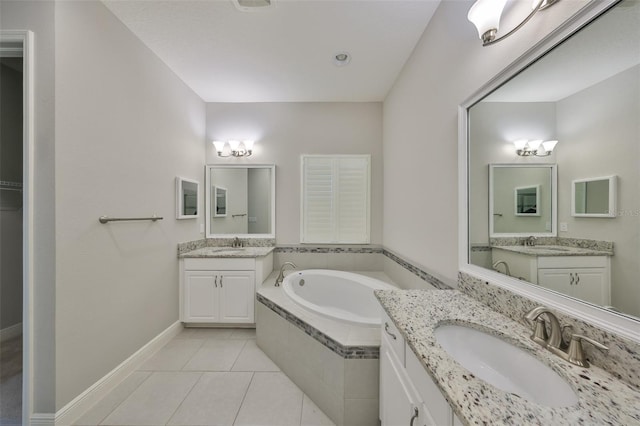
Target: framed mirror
{"type": "Point", "coordinates": [186, 198]}
{"type": "Point", "coordinates": [522, 200]}
{"type": "Point", "coordinates": [546, 95]}
{"type": "Point", "coordinates": [594, 197]}
{"type": "Point", "coordinates": [240, 201]}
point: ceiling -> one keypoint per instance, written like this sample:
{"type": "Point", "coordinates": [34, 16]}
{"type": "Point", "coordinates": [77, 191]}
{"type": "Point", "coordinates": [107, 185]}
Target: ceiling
{"type": "Point", "coordinates": [283, 53]}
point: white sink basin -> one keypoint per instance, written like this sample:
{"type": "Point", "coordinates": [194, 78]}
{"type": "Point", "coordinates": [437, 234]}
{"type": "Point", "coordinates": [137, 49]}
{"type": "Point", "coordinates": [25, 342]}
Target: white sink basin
{"type": "Point", "coordinates": [505, 366]}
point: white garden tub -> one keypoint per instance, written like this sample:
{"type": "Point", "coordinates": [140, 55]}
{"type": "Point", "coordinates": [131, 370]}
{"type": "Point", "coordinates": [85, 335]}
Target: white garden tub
{"type": "Point", "coordinates": [343, 296]}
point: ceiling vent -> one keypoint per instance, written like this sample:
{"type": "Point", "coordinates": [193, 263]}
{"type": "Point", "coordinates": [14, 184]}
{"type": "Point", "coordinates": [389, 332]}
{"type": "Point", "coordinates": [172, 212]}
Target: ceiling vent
{"type": "Point", "coordinates": [252, 5]}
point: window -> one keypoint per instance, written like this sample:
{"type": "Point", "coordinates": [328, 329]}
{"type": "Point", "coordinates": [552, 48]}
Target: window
{"type": "Point", "coordinates": [335, 199]}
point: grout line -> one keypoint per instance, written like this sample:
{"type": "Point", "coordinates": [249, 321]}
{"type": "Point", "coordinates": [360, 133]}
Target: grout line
{"type": "Point", "coordinates": [235, 419]}
{"type": "Point", "coordinates": [238, 357]}
{"type": "Point", "coordinates": [149, 373]}
{"type": "Point", "coordinates": [184, 399]}
{"type": "Point", "coordinates": [192, 355]}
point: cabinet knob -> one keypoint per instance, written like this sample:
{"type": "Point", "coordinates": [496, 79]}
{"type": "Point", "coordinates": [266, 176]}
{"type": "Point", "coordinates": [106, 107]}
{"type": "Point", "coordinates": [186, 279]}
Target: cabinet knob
{"type": "Point", "coordinates": [220, 281]}
{"type": "Point", "coordinates": [216, 281]}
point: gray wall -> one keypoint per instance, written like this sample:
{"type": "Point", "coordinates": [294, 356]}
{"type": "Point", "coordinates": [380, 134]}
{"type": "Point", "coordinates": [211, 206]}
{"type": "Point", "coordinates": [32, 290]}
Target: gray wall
{"type": "Point", "coordinates": [235, 182]}
{"type": "Point", "coordinates": [284, 131]}
{"type": "Point", "coordinates": [38, 16]}
{"type": "Point", "coordinates": [421, 128]}
{"type": "Point", "coordinates": [599, 133]}
{"type": "Point", "coordinates": [126, 126]}
{"type": "Point", "coordinates": [259, 190]}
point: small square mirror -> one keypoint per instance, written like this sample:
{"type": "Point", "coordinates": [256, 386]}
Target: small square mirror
{"type": "Point", "coordinates": [594, 197]}
{"type": "Point", "coordinates": [186, 198]}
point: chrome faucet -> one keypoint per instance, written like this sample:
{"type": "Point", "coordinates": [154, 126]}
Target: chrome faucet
{"type": "Point", "coordinates": [501, 262]}
{"type": "Point", "coordinates": [281, 274]}
{"type": "Point", "coordinates": [530, 241]}
{"type": "Point", "coordinates": [236, 243]}
{"type": "Point", "coordinates": [554, 343]}
{"type": "Point", "coordinates": [555, 339]}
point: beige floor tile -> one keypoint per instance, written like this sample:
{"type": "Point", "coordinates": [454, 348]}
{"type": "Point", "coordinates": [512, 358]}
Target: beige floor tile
{"type": "Point", "coordinates": [214, 400]}
{"type": "Point", "coordinates": [312, 415]}
{"type": "Point", "coordinates": [107, 404]}
{"type": "Point", "coordinates": [173, 356]}
{"type": "Point", "coordinates": [252, 358]}
{"type": "Point", "coordinates": [155, 400]}
{"type": "Point", "coordinates": [215, 355]}
{"type": "Point", "coordinates": [272, 399]}
{"type": "Point", "coordinates": [243, 333]}
{"type": "Point", "coordinates": [205, 333]}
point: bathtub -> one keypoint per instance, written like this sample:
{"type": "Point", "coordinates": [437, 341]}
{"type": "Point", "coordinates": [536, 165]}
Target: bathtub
{"type": "Point", "coordinates": [343, 296]}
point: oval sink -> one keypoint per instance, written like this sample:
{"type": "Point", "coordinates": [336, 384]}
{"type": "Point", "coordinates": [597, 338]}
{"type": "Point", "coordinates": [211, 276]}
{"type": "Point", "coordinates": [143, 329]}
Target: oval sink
{"type": "Point", "coordinates": [505, 366]}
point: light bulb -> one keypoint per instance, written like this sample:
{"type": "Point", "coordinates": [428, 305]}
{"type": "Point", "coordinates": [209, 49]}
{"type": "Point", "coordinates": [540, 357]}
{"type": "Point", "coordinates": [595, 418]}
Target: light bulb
{"type": "Point", "coordinates": [219, 146]}
{"type": "Point", "coordinates": [549, 145]}
{"type": "Point", "coordinates": [485, 15]}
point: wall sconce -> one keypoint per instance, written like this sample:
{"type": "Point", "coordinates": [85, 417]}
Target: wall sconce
{"type": "Point", "coordinates": [485, 15]}
{"type": "Point", "coordinates": [525, 148]}
{"type": "Point", "coordinates": [233, 148]}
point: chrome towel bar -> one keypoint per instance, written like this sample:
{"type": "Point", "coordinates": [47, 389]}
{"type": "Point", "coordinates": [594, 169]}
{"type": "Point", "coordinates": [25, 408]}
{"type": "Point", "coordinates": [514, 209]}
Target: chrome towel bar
{"type": "Point", "coordinates": [106, 219]}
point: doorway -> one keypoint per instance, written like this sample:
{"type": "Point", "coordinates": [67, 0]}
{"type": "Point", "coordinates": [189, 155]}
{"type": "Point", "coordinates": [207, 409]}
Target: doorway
{"type": "Point", "coordinates": [16, 153]}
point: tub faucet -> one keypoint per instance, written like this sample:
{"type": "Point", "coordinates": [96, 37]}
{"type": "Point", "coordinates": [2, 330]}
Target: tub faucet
{"type": "Point", "coordinates": [505, 264]}
{"type": "Point", "coordinates": [281, 274]}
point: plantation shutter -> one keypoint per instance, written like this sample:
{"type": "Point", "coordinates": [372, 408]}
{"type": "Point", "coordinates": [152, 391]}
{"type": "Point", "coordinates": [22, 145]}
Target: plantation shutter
{"type": "Point", "coordinates": [335, 199]}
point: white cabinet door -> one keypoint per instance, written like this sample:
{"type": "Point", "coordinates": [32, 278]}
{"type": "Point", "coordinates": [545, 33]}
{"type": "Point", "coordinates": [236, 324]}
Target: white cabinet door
{"type": "Point", "coordinates": [237, 291]}
{"type": "Point", "coordinates": [588, 284]}
{"type": "Point", "coordinates": [200, 296]}
{"type": "Point", "coordinates": [398, 398]}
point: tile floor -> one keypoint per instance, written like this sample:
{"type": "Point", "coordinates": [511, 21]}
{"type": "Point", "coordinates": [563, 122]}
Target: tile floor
{"type": "Point", "coordinates": [11, 382]}
{"type": "Point", "coordinates": [207, 377]}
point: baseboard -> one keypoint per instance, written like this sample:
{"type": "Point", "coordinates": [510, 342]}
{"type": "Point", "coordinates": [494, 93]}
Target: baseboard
{"type": "Point", "coordinates": [42, 419]}
{"type": "Point", "coordinates": [71, 412]}
{"type": "Point", "coordinates": [11, 332]}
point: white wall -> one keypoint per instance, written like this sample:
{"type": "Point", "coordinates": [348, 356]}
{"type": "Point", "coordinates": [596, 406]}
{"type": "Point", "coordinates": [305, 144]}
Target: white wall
{"type": "Point", "coordinates": [38, 16]}
{"type": "Point", "coordinates": [284, 131]}
{"type": "Point", "coordinates": [420, 128]}
{"type": "Point", "coordinates": [126, 126]}
{"type": "Point", "coordinates": [599, 133]}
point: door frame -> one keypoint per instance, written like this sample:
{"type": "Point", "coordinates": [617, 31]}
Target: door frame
{"type": "Point", "coordinates": [28, 136]}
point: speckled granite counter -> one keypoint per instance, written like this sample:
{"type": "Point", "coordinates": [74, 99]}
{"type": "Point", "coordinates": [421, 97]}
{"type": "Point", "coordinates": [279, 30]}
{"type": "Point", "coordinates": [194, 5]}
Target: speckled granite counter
{"type": "Point", "coordinates": [229, 252]}
{"type": "Point", "coordinates": [416, 313]}
{"type": "Point", "coordinates": [554, 250]}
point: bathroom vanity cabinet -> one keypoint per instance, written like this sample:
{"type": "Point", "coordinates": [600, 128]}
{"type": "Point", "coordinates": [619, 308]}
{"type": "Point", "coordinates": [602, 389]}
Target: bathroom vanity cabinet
{"type": "Point", "coordinates": [408, 396]}
{"type": "Point", "coordinates": [221, 290]}
{"type": "Point", "coordinates": [585, 277]}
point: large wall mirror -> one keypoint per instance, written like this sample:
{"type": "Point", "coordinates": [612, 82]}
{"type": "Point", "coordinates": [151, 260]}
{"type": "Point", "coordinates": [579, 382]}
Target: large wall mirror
{"type": "Point", "coordinates": [581, 87]}
{"type": "Point", "coordinates": [240, 201]}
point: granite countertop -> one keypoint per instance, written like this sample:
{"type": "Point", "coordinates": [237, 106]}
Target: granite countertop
{"type": "Point", "coordinates": [228, 252]}
{"type": "Point", "coordinates": [603, 399]}
{"type": "Point", "coordinates": [548, 250]}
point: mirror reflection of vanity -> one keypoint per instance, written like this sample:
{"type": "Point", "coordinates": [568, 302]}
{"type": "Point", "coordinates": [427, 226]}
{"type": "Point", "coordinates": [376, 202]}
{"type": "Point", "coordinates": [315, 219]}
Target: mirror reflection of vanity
{"type": "Point", "coordinates": [240, 201]}
{"type": "Point", "coordinates": [585, 93]}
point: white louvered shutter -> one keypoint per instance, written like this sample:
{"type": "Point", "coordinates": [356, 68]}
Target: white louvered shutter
{"type": "Point", "coordinates": [335, 199]}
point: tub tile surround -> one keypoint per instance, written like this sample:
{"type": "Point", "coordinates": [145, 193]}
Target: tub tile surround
{"type": "Point", "coordinates": [623, 358]}
{"type": "Point", "coordinates": [603, 398]}
{"type": "Point", "coordinates": [335, 364]}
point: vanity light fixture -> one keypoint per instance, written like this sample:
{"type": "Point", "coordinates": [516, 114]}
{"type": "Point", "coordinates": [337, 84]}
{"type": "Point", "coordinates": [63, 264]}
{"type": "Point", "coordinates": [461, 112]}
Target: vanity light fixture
{"type": "Point", "coordinates": [526, 148]}
{"type": "Point", "coordinates": [485, 15]}
{"type": "Point", "coordinates": [233, 148]}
